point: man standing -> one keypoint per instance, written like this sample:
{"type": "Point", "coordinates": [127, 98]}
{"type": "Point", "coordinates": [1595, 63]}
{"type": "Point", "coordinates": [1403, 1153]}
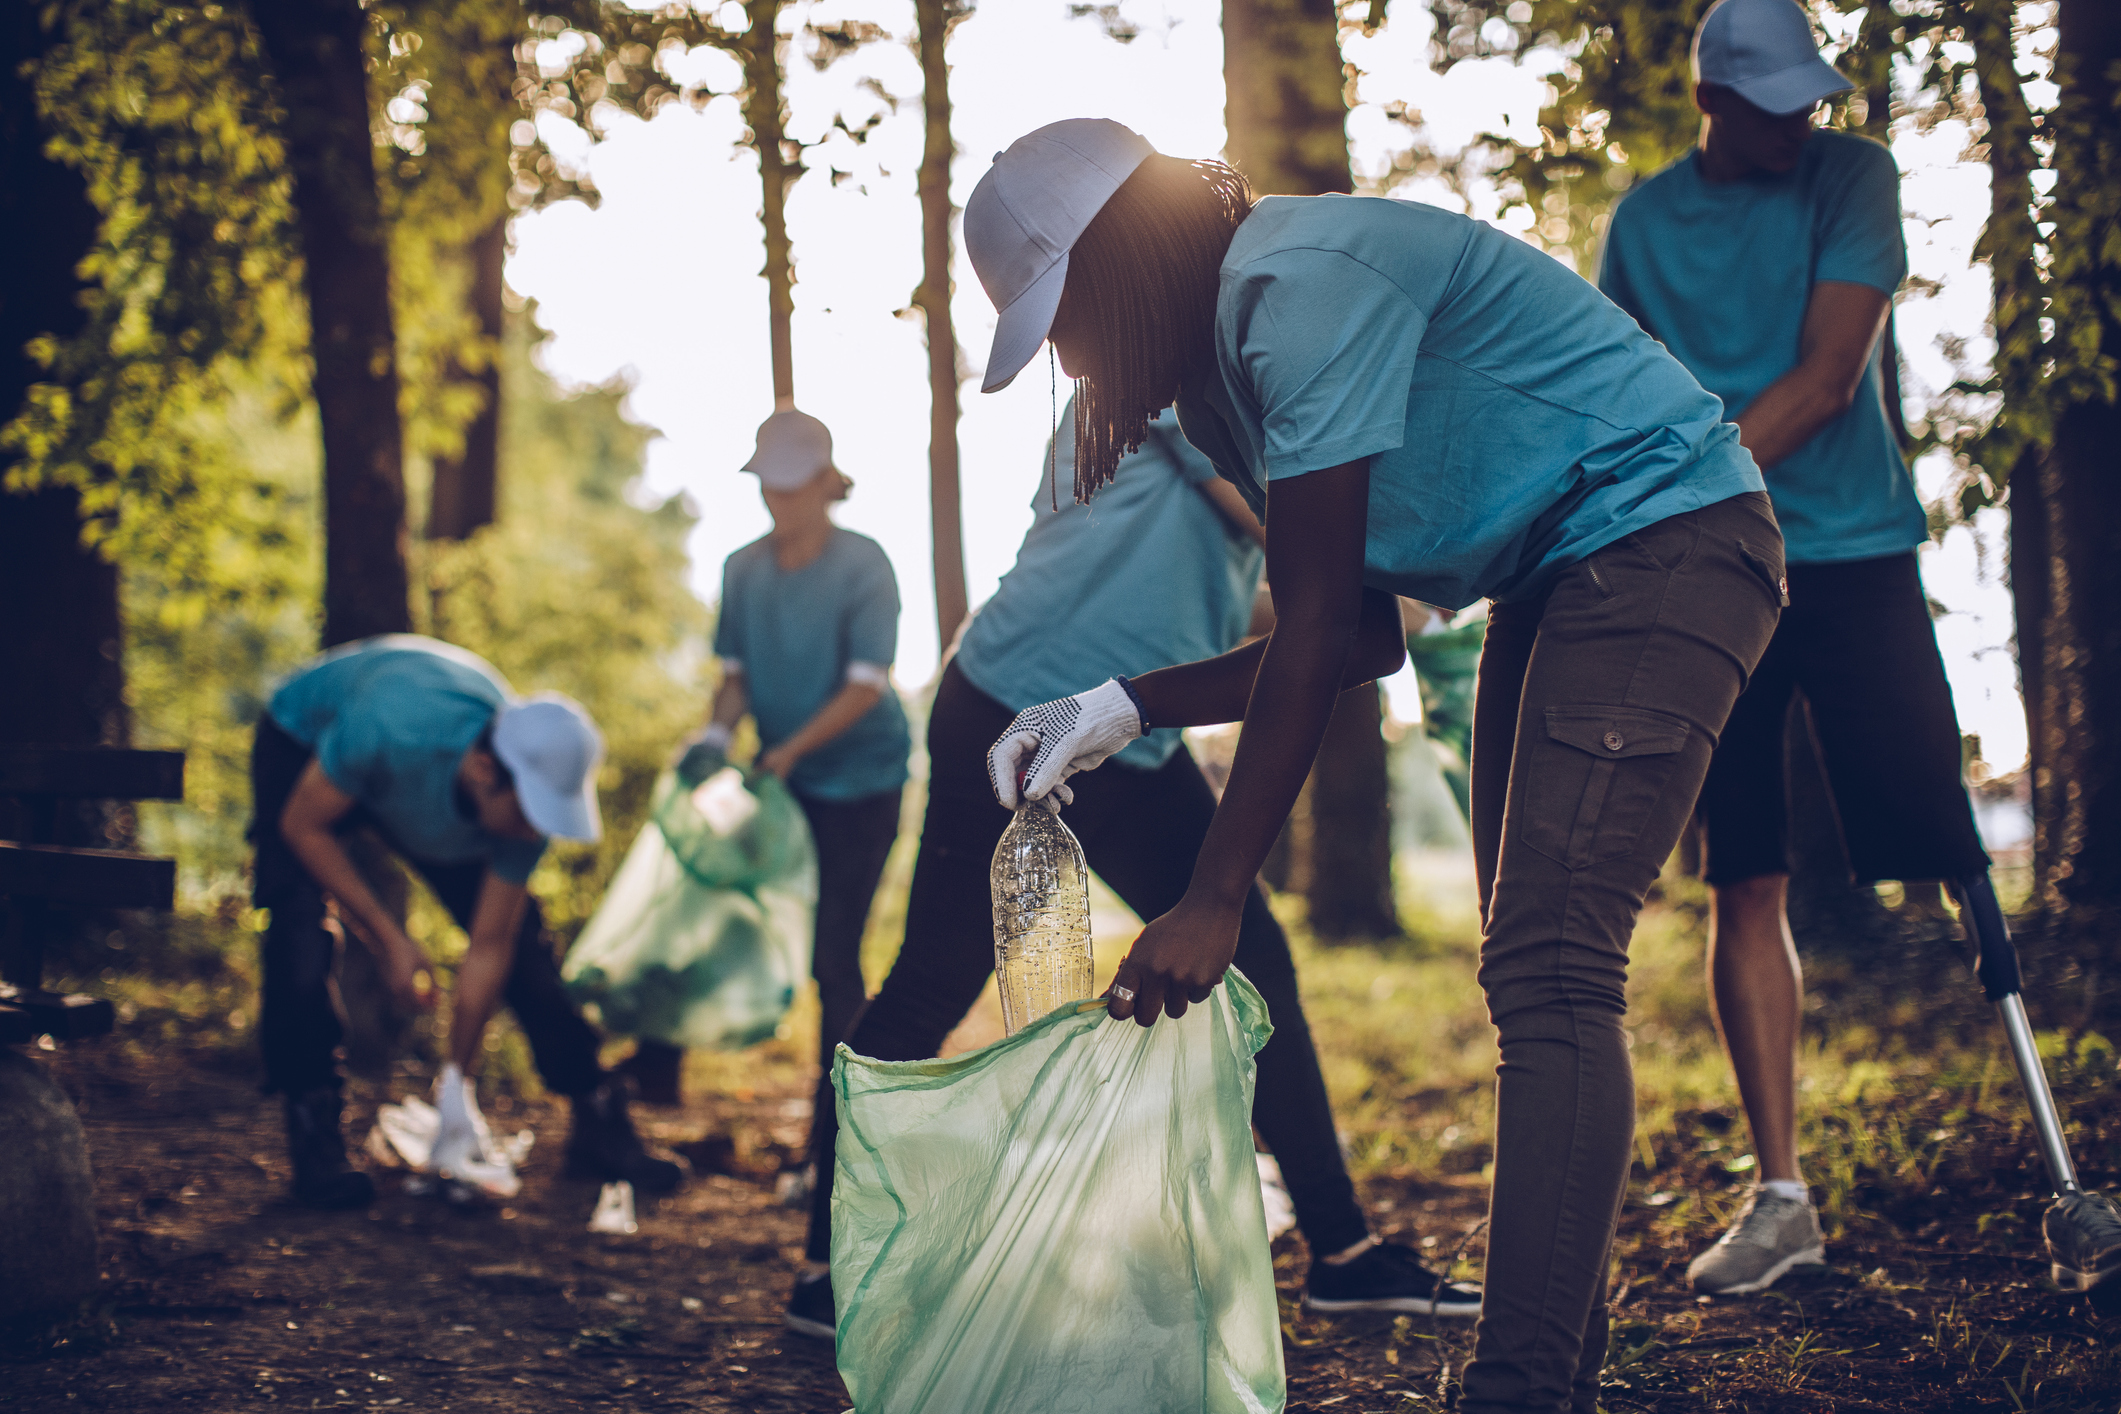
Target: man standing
{"type": "Point", "coordinates": [425, 743]}
{"type": "Point", "coordinates": [1766, 260]}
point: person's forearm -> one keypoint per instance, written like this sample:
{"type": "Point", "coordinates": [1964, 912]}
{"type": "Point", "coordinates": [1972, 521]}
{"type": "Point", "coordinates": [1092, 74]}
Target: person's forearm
{"type": "Point", "coordinates": [1790, 412]}
{"type": "Point", "coordinates": [483, 974]}
{"type": "Point", "coordinates": [329, 864]}
{"type": "Point", "coordinates": [731, 701]}
{"type": "Point", "coordinates": [846, 707]}
{"type": "Point", "coordinates": [1217, 690]}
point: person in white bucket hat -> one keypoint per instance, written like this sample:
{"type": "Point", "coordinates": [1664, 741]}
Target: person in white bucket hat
{"type": "Point", "coordinates": [427, 745]}
{"type": "Point", "coordinates": [1413, 403]}
{"type": "Point", "coordinates": [1766, 260]}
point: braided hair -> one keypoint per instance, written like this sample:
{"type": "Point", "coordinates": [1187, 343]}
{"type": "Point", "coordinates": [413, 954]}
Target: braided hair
{"type": "Point", "coordinates": [1142, 282]}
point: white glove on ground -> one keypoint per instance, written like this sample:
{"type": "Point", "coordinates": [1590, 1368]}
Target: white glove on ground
{"type": "Point", "coordinates": [1054, 740]}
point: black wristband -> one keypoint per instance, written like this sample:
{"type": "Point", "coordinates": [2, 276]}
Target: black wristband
{"type": "Point", "coordinates": [1136, 699]}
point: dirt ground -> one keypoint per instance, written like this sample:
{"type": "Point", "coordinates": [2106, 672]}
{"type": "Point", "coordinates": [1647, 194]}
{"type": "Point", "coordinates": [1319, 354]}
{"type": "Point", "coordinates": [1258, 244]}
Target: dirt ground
{"type": "Point", "coordinates": [219, 1295]}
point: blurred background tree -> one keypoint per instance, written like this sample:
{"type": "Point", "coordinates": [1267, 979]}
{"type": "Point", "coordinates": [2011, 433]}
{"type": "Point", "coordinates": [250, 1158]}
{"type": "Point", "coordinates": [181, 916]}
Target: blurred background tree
{"type": "Point", "coordinates": [167, 387]}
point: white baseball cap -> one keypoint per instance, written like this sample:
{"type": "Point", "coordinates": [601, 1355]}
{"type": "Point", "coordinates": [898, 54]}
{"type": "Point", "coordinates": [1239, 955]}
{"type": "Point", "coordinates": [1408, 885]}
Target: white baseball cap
{"type": "Point", "coordinates": [793, 447]}
{"type": "Point", "coordinates": [1024, 216]}
{"type": "Point", "coordinates": [1763, 51]}
{"type": "Point", "coordinates": [550, 746]}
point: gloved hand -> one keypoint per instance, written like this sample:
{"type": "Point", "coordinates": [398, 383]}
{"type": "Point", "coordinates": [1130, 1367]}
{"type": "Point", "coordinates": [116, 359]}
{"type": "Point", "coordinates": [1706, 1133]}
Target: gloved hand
{"type": "Point", "coordinates": [1048, 743]}
{"type": "Point", "coordinates": [704, 755]}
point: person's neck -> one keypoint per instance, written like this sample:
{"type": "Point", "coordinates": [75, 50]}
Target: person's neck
{"type": "Point", "coordinates": [797, 543]}
{"type": "Point", "coordinates": [1714, 159]}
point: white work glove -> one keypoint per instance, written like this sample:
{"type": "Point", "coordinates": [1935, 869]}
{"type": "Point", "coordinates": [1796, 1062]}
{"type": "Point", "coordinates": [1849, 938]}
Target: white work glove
{"type": "Point", "coordinates": [1048, 743]}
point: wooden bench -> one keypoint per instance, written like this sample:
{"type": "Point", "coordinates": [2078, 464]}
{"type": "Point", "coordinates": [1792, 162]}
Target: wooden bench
{"type": "Point", "coordinates": [38, 875]}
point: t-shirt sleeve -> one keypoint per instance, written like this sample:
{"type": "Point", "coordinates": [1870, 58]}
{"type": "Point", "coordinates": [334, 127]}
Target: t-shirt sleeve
{"type": "Point", "coordinates": [1326, 346]}
{"type": "Point", "coordinates": [512, 860]}
{"type": "Point", "coordinates": [1860, 239]}
{"type": "Point", "coordinates": [728, 622]}
{"type": "Point", "coordinates": [352, 753]}
{"type": "Point", "coordinates": [872, 619]}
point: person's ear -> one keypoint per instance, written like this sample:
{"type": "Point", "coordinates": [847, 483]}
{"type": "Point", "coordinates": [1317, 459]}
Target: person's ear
{"type": "Point", "coordinates": [480, 766]}
{"type": "Point", "coordinates": [1709, 99]}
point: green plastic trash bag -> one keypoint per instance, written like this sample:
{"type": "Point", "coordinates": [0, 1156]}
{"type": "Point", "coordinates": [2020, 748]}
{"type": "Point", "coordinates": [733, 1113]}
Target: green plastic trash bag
{"type": "Point", "coordinates": [1065, 1222]}
{"type": "Point", "coordinates": [703, 936]}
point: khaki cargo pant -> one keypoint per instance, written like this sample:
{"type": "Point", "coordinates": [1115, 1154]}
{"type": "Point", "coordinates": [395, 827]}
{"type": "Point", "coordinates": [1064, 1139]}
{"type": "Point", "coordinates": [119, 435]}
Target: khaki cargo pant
{"type": "Point", "coordinates": [1598, 709]}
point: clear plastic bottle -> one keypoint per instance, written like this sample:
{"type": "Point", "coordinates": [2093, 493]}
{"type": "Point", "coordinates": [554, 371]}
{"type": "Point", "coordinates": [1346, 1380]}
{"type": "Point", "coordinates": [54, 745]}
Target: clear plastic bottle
{"type": "Point", "coordinates": [1041, 890]}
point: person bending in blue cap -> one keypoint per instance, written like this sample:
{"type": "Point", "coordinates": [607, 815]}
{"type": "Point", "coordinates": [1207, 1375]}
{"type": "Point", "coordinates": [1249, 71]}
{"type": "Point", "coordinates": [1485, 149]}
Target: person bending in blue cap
{"type": "Point", "coordinates": [1416, 404]}
{"type": "Point", "coordinates": [1766, 260]}
{"type": "Point", "coordinates": [1163, 567]}
{"type": "Point", "coordinates": [427, 745]}
{"type": "Point", "coordinates": [807, 631]}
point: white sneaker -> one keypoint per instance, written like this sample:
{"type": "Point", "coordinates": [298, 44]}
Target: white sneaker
{"type": "Point", "coordinates": [1772, 1235]}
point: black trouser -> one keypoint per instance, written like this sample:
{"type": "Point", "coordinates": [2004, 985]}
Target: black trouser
{"type": "Point", "coordinates": [1858, 642]}
{"type": "Point", "coordinates": [1141, 831]}
{"type": "Point", "coordinates": [298, 1030]}
{"type": "Point", "coordinates": [853, 838]}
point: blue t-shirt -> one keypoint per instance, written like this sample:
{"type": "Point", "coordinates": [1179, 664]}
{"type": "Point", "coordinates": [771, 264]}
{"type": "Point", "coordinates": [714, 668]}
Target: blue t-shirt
{"type": "Point", "coordinates": [1146, 575]}
{"type": "Point", "coordinates": [1515, 420]}
{"type": "Point", "coordinates": [795, 632]}
{"type": "Point", "coordinates": [1721, 272]}
{"type": "Point", "coordinates": [390, 719]}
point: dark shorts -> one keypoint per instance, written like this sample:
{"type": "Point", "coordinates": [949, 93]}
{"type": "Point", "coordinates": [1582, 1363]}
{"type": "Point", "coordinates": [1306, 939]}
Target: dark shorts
{"type": "Point", "coordinates": [1858, 642]}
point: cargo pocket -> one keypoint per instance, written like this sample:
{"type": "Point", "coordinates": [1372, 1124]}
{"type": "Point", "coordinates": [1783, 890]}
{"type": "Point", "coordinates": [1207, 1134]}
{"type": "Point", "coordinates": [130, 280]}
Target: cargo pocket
{"type": "Point", "coordinates": [1594, 788]}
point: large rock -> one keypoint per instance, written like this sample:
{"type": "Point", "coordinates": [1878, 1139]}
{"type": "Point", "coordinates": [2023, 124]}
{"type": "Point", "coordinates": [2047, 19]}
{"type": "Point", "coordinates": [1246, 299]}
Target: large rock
{"type": "Point", "coordinates": [47, 1196]}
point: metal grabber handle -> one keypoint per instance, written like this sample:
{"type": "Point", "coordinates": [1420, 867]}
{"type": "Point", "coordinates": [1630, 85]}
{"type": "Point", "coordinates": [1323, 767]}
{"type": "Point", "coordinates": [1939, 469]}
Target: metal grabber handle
{"type": "Point", "coordinates": [1996, 964]}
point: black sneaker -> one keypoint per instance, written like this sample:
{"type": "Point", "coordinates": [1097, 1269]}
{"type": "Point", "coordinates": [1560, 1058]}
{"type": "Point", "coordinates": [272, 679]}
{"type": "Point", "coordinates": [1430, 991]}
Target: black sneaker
{"type": "Point", "coordinates": [2083, 1233]}
{"type": "Point", "coordinates": [656, 1069]}
{"type": "Point", "coordinates": [322, 1177]}
{"type": "Point", "coordinates": [1388, 1277]}
{"type": "Point", "coordinates": [603, 1146]}
{"type": "Point", "coordinates": [810, 1308]}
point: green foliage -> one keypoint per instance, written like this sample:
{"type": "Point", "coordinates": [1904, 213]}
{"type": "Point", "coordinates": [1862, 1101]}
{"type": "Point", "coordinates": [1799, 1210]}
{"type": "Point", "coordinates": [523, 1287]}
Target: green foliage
{"type": "Point", "coordinates": [1622, 108]}
{"type": "Point", "coordinates": [579, 588]}
{"type": "Point", "coordinates": [163, 110]}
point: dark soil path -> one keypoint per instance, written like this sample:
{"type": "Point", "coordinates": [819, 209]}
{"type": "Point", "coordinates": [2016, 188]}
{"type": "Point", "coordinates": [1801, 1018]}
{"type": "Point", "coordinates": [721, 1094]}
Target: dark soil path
{"type": "Point", "coordinates": [219, 1295]}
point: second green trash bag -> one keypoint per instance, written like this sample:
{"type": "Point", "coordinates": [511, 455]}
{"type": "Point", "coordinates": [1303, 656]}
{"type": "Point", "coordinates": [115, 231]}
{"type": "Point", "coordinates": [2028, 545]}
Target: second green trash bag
{"type": "Point", "coordinates": [1065, 1222]}
{"type": "Point", "coordinates": [703, 936]}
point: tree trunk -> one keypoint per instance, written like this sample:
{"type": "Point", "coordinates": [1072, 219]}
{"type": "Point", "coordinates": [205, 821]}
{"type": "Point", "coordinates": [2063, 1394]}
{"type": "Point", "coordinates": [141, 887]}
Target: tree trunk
{"type": "Point", "coordinates": [766, 111]}
{"type": "Point", "coordinates": [1350, 884]}
{"type": "Point", "coordinates": [62, 676]}
{"type": "Point", "coordinates": [1285, 95]}
{"type": "Point", "coordinates": [462, 498]}
{"type": "Point", "coordinates": [2077, 741]}
{"type": "Point", "coordinates": [936, 19]}
{"type": "Point", "coordinates": [1286, 108]}
{"type": "Point", "coordinates": [315, 47]}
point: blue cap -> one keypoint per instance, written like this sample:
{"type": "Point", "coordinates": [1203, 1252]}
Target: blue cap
{"type": "Point", "coordinates": [1764, 52]}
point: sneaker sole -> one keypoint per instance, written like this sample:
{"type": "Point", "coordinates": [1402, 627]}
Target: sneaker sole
{"type": "Point", "coordinates": [2070, 1279]}
{"type": "Point", "coordinates": [1404, 1305]}
{"type": "Point", "coordinates": [1809, 1257]}
{"type": "Point", "coordinates": [803, 1325]}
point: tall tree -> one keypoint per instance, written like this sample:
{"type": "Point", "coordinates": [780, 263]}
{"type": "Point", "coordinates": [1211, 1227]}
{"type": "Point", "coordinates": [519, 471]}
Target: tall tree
{"type": "Point", "coordinates": [1286, 111]}
{"type": "Point", "coordinates": [316, 48]}
{"type": "Point", "coordinates": [936, 19]}
{"type": "Point", "coordinates": [62, 682]}
{"type": "Point", "coordinates": [2066, 516]}
{"type": "Point", "coordinates": [466, 484]}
